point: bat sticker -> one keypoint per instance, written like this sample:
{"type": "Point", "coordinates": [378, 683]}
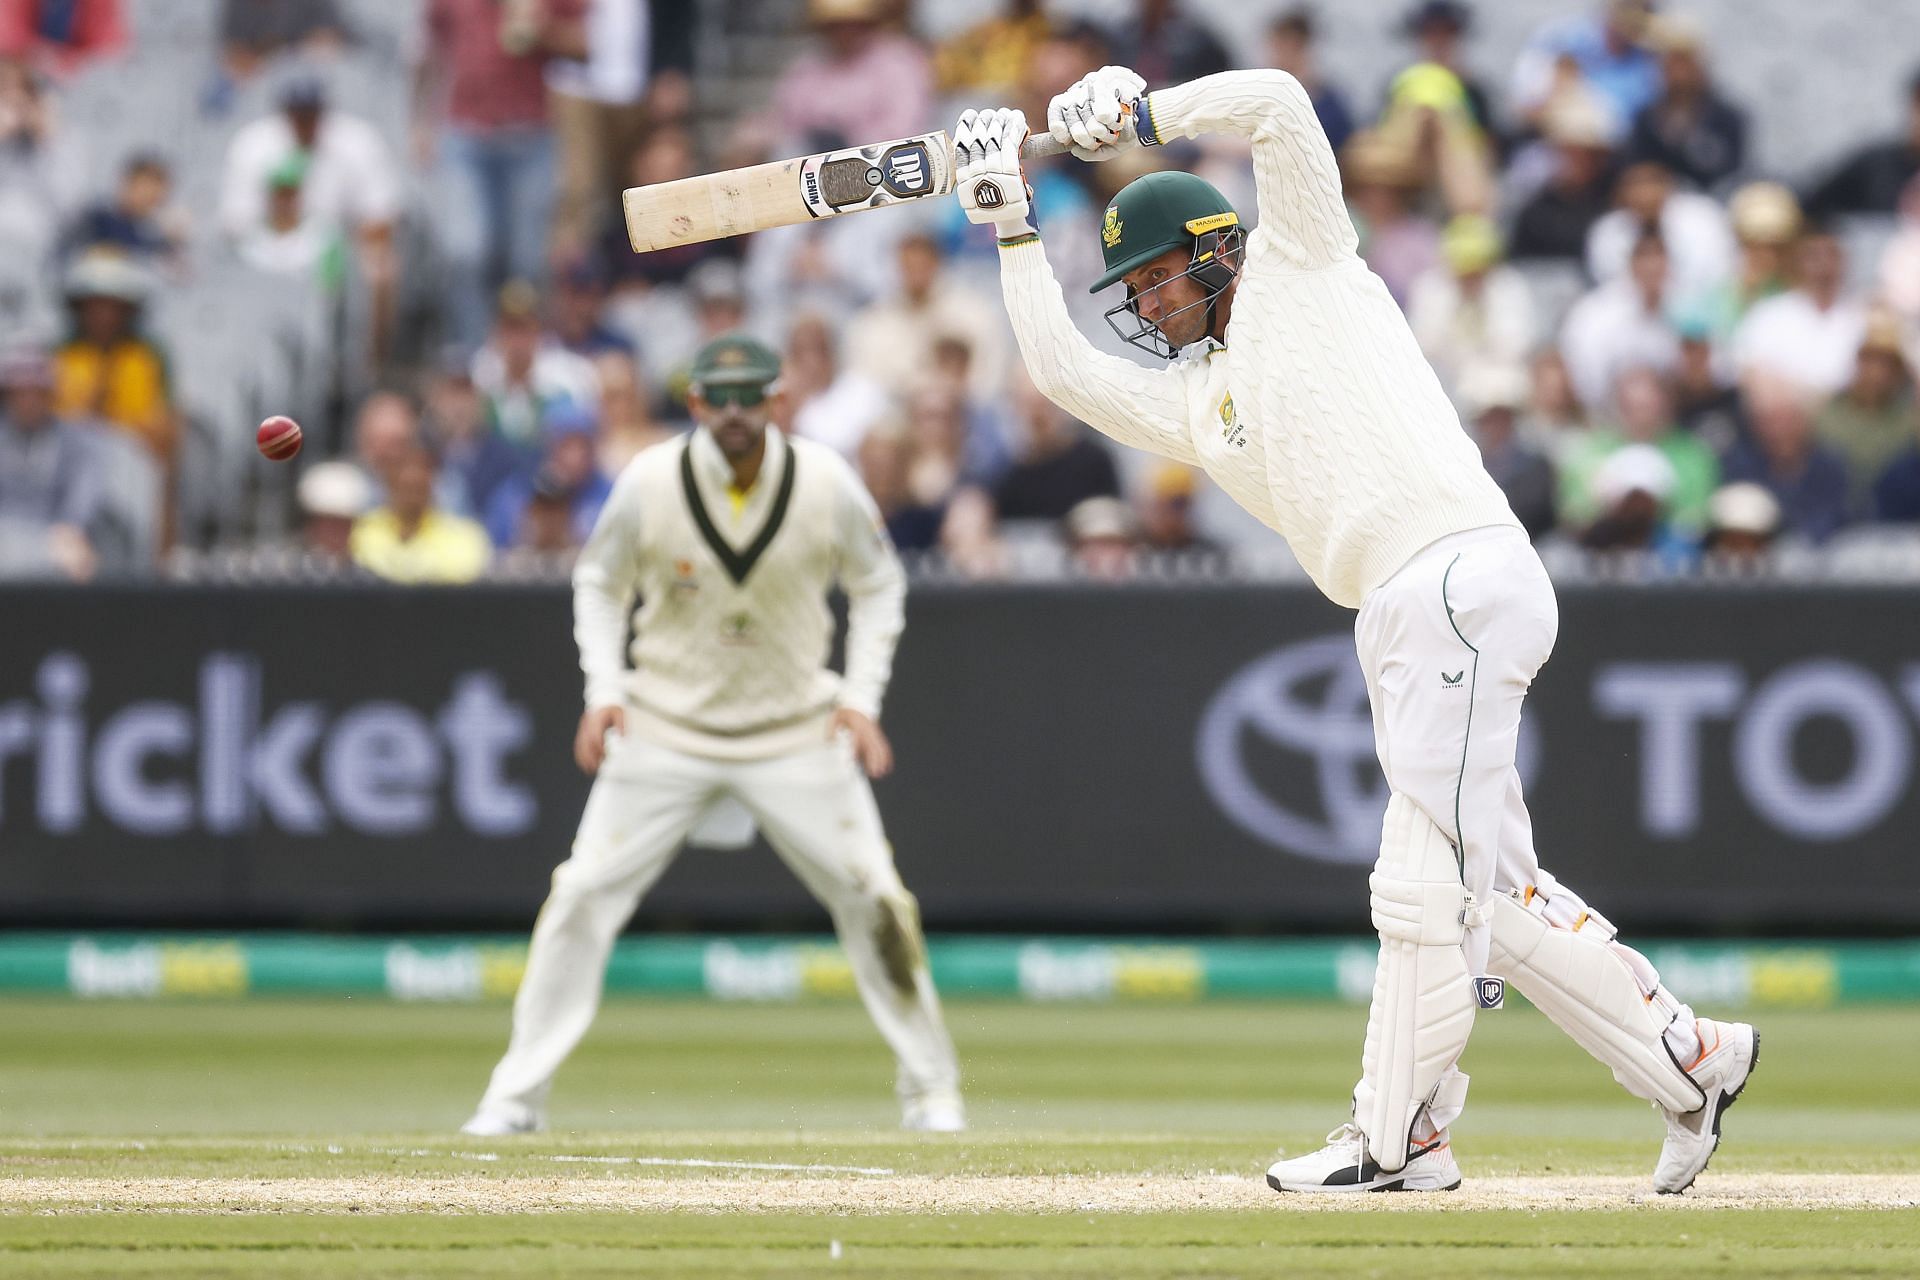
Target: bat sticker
{"type": "Point", "coordinates": [909, 172]}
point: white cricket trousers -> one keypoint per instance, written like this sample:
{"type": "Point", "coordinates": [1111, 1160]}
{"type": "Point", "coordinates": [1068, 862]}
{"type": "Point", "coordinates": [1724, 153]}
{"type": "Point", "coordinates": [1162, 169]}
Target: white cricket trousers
{"type": "Point", "coordinates": [815, 808]}
{"type": "Point", "coordinates": [1449, 646]}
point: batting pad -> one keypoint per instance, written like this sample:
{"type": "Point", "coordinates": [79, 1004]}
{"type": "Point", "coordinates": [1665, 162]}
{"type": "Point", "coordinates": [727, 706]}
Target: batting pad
{"type": "Point", "coordinates": [1422, 998]}
{"type": "Point", "coordinates": [1573, 973]}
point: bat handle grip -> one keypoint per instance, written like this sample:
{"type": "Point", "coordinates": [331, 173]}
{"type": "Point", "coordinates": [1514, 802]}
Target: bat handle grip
{"type": "Point", "coordinates": [1039, 145]}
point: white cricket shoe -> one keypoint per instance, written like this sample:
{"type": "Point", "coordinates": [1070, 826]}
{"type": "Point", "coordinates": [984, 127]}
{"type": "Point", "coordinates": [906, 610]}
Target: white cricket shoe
{"type": "Point", "coordinates": [503, 1123]}
{"type": "Point", "coordinates": [1344, 1165]}
{"type": "Point", "coordinates": [1729, 1051]}
{"type": "Point", "coordinates": [937, 1111]}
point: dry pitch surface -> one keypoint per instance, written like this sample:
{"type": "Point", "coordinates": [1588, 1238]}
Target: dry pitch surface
{"type": "Point", "coordinates": [697, 1140]}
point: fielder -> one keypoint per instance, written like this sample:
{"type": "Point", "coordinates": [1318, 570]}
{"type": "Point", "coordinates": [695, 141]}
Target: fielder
{"type": "Point", "coordinates": [1296, 384]}
{"type": "Point", "coordinates": [731, 538]}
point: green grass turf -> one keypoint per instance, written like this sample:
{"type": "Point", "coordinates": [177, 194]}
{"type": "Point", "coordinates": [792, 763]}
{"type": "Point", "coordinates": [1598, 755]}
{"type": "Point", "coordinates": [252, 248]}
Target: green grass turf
{"type": "Point", "coordinates": [260, 1089]}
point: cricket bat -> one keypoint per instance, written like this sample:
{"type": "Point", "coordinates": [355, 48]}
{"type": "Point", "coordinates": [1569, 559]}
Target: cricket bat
{"type": "Point", "coordinates": [784, 192]}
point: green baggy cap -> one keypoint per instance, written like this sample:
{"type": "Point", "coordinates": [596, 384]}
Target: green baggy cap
{"type": "Point", "coordinates": [733, 360]}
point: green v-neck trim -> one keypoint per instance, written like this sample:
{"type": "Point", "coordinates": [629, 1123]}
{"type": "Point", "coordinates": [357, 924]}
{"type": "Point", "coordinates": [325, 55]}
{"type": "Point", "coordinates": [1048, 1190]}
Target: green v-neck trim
{"type": "Point", "coordinates": [738, 564]}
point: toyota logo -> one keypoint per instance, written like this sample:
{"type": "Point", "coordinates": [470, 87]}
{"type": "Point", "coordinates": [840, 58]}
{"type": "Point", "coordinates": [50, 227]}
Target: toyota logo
{"type": "Point", "coordinates": [1297, 722]}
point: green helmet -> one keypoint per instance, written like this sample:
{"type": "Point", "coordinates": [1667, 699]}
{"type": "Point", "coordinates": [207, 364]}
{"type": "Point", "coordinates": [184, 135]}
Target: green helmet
{"type": "Point", "coordinates": [1161, 211]}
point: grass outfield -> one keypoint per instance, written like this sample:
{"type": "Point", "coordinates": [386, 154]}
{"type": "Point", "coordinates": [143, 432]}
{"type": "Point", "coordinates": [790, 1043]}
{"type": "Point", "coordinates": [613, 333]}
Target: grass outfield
{"type": "Point", "coordinates": [264, 1138]}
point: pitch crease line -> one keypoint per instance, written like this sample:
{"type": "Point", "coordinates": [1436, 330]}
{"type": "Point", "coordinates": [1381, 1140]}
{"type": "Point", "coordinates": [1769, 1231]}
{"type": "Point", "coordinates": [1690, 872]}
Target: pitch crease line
{"type": "Point", "coordinates": [667, 1162]}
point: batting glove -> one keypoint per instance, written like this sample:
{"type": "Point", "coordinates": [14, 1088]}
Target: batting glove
{"type": "Point", "coordinates": [1095, 117]}
{"type": "Point", "coordinates": [993, 187]}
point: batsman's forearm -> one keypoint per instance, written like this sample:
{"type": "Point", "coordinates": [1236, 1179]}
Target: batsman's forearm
{"type": "Point", "coordinates": [1135, 406]}
{"type": "Point", "coordinates": [1296, 177]}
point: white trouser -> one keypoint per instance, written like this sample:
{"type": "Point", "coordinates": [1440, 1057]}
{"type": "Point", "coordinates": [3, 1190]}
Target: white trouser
{"type": "Point", "coordinates": [817, 811]}
{"type": "Point", "coordinates": [1449, 646]}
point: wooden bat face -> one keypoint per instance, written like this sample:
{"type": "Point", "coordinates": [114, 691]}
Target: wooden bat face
{"type": "Point", "coordinates": [780, 194]}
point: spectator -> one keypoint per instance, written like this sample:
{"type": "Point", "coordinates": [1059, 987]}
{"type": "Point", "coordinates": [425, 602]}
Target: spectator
{"type": "Point", "coordinates": [1811, 334]}
{"type": "Point", "coordinates": [350, 181]}
{"type": "Point", "coordinates": [1060, 466]}
{"type": "Point", "coordinates": [1438, 29]}
{"type": "Point", "coordinates": [1622, 324]}
{"type": "Point", "coordinates": [482, 79]}
{"type": "Point", "coordinates": [290, 241]}
{"type": "Point", "coordinates": [627, 424]}
{"type": "Point", "coordinates": [1430, 114]}
{"type": "Point", "coordinates": [1165, 521]}
{"type": "Point", "coordinates": [1700, 246]}
{"type": "Point", "coordinates": [886, 462]}
{"type": "Point", "coordinates": [137, 222]}
{"type": "Point", "coordinates": [1743, 519]}
{"type": "Point", "coordinates": [1103, 538]}
{"type": "Point", "coordinates": [409, 539]}
{"type": "Point", "coordinates": [50, 490]}
{"type": "Point", "coordinates": [937, 445]}
{"type": "Point", "coordinates": [1899, 273]}
{"type": "Point", "coordinates": [1705, 406]}
{"type": "Point", "coordinates": [1555, 220]}
{"type": "Point", "coordinates": [1166, 45]}
{"type": "Point", "coordinates": [254, 31]}
{"type": "Point", "coordinates": [475, 459]}
{"type": "Point", "coordinates": [1290, 48]}
{"type": "Point", "coordinates": [523, 372]}
{"type": "Point", "coordinates": [970, 537]}
{"type": "Point", "coordinates": [1556, 418]}
{"type": "Point", "coordinates": [1872, 419]}
{"type": "Point", "coordinates": [1609, 50]}
{"type": "Point", "coordinates": [1492, 396]}
{"type": "Point", "coordinates": [520, 513]}
{"type": "Point", "coordinates": [386, 428]}
{"type": "Point", "coordinates": [1690, 128]}
{"type": "Point", "coordinates": [987, 59]}
{"type": "Point", "coordinates": [1781, 453]}
{"type": "Point", "coordinates": [668, 336]}
{"type": "Point", "coordinates": [1766, 222]}
{"type": "Point", "coordinates": [1872, 178]}
{"type": "Point", "coordinates": [1643, 416]}
{"type": "Point", "coordinates": [1380, 181]}
{"type": "Point", "coordinates": [1632, 489]}
{"type": "Point", "coordinates": [860, 82]}
{"type": "Point", "coordinates": [579, 312]}
{"type": "Point", "coordinates": [828, 402]}
{"type": "Point", "coordinates": [1896, 496]}
{"type": "Point", "coordinates": [600, 111]}
{"type": "Point", "coordinates": [58, 37]}
{"type": "Point", "coordinates": [297, 180]}
{"type": "Point", "coordinates": [1473, 307]}
{"type": "Point", "coordinates": [41, 167]}
{"type": "Point", "coordinates": [107, 370]}
{"type": "Point", "coordinates": [892, 341]}
{"type": "Point", "coordinates": [332, 496]}
{"type": "Point", "coordinates": [980, 423]}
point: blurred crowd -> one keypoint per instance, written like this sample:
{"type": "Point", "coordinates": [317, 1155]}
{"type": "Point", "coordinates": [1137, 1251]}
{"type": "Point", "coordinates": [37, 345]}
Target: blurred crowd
{"type": "Point", "coordinates": [1660, 351]}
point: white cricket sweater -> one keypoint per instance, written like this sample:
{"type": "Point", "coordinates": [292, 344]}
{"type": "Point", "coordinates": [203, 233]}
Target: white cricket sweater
{"type": "Point", "coordinates": [1320, 415]}
{"type": "Point", "coordinates": [732, 640]}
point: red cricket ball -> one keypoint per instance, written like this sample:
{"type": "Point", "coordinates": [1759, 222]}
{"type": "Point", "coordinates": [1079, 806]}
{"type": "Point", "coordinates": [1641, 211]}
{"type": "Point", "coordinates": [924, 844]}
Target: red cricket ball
{"type": "Point", "coordinates": [278, 438]}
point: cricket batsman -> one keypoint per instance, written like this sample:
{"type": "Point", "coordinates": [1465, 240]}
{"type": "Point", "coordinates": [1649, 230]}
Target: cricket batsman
{"type": "Point", "coordinates": [731, 538]}
{"type": "Point", "coordinates": [1294, 382]}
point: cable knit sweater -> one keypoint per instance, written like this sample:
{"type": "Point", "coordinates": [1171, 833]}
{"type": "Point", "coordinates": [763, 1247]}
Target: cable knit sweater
{"type": "Point", "coordinates": [1320, 415]}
